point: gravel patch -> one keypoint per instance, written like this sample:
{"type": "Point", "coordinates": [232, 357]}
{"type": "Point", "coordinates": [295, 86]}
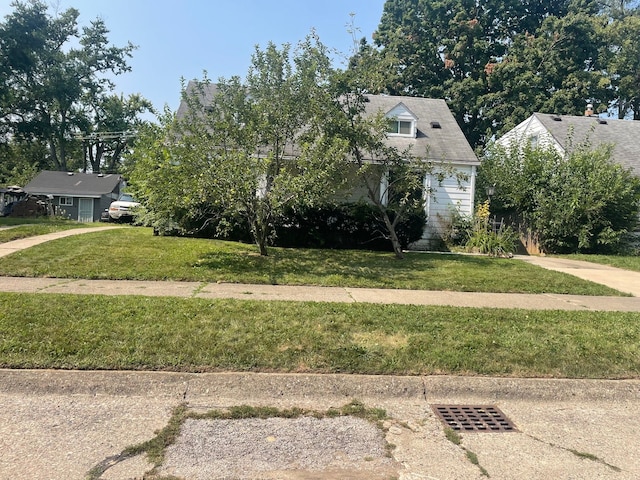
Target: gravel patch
{"type": "Point", "coordinates": [255, 448]}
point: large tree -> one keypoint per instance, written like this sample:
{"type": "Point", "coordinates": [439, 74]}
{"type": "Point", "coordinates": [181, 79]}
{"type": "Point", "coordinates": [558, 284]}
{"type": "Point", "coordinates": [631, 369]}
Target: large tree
{"type": "Point", "coordinates": [247, 149]}
{"type": "Point", "coordinates": [51, 70]}
{"type": "Point", "coordinates": [496, 62]}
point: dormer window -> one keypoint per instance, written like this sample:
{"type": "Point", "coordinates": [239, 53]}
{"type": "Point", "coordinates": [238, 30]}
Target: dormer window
{"type": "Point", "coordinates": [400, 127]}
{"type": "Point", "coordinates": [401, 121]}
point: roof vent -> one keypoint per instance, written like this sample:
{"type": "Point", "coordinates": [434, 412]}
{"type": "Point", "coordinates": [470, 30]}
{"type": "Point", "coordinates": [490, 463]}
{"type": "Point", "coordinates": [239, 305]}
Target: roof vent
{"type": "Point", "coordinates": [556, 118]}
{"type": "Point", "coordinates": [602, 121]}
{"type": "Point", "coordinates": [435, 125]}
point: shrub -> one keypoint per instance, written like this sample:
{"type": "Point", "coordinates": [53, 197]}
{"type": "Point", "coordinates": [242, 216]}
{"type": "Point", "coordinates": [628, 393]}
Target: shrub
{"type": "Point", "coordinates": [582, 202]}
{"type": "Point", "coordinates": [344, 226]}
{"type": "Point", "coordinates": [483, 238]}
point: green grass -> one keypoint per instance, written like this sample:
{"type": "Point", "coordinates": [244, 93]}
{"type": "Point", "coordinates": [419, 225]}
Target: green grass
{"type": "Point", "coordinates": [134, 253]}
{"type": "Point", "coordinates": [195, 335]}
{"type": "Point", "coordinates": [627, 262]}
{"type": "Point", "coordinates": [24, 231]}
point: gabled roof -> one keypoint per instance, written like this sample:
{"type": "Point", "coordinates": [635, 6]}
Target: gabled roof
{"type": "Point", "coordinates": [72, 184]}
{"type": "Point", "coordinates": [623, 134]}
{"type": "Point", "coordinates": [445, 143]}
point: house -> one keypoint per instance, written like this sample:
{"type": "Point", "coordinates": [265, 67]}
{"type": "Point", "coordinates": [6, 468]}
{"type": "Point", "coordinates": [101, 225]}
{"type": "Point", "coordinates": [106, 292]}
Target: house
{"type": "Point", "coordinates": [429, 129]}
{"type": "Point", "coordinates": [564, 131]}
{"type": "Point", "coordinates": [78, 196]}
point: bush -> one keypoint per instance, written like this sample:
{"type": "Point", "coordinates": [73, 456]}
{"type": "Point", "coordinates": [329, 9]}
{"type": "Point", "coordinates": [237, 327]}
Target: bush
{"type": "Point", "coordinates": [583, 202]}
{"type": "Point", "coordinates": [344, 226]}
{"type": "Point", "coordinates": [484, 239]}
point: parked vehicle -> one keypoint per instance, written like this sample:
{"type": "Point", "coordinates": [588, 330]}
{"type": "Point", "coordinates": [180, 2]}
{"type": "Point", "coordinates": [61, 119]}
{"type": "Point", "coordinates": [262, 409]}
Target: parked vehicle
{"type": "Point", "coordinates": [122, 209]}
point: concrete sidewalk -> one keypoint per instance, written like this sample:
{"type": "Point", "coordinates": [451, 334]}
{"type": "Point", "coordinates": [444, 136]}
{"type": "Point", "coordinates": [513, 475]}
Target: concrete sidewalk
{"type": "Point", "coordinates": [318, 294]}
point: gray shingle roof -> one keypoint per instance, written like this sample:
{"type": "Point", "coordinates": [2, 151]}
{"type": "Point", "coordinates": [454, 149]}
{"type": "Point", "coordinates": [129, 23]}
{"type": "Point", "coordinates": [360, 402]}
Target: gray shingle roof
{"type": "Point", "coordinates": [50, 182]}
{"type": "Point", "coordinates": [623, 134]}
{"type": "Point", "coordinates": [446, 143]}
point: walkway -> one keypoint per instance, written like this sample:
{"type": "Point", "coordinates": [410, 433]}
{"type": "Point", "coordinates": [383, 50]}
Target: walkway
{"type": "Point", "coordinates": [319, 294]}
{"type": "Point", "coordinates": [622, 280]}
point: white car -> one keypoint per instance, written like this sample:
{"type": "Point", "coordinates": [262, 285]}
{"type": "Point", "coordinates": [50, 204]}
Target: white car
{"type": "Point", "coordinates": [122, 209]}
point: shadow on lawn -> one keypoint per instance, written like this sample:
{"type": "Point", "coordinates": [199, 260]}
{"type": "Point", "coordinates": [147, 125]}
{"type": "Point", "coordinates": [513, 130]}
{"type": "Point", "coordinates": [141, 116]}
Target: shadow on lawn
{"type": "Point", "coordinates": [334, 267]}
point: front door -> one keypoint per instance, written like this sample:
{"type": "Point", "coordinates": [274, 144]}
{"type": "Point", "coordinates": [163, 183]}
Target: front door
{"type": "Point", "coordinates": [85, 210]}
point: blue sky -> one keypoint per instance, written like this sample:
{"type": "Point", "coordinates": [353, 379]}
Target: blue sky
{"type": "Point", "coordinates": [182, 38]}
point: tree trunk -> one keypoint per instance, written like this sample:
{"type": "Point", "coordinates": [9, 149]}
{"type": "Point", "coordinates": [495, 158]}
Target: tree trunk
{"type": "Point", "coordinates": [395, 242]}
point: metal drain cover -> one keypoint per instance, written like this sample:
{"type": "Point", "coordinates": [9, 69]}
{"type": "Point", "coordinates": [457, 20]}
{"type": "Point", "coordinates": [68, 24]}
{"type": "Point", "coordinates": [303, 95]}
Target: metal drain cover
{"type": "Point", "coordinates": [474, 418]}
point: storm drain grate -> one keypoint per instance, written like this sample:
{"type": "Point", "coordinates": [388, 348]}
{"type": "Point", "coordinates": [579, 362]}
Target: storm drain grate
{"type": "Point", "coordinates": [474, 418]}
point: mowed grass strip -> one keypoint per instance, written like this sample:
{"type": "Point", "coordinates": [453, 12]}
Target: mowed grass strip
{"type": "Point", "coordinates": [135, 254]}
{"type": "Point", "coordinates": [195, 335]}
{"type": "Point", "coordinates": [25, 231]}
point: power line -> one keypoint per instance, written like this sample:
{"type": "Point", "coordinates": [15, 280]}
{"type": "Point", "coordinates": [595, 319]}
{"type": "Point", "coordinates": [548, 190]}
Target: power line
{"type": "Point", "coordinates": [105, 135]}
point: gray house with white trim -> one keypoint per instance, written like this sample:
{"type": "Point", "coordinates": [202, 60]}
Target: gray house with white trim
{"type": "Point", "coordinates": [78, 196]}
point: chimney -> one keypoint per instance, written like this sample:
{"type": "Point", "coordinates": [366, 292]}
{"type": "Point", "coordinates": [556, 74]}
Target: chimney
{"type": "Point", "coordinates": [589, 111]}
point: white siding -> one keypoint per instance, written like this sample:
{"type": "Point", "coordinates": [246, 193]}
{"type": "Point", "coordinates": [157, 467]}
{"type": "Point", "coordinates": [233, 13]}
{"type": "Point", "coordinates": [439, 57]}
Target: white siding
{"type": "Point", "coordinates": [454, 192]}
{"type": "Point", "coordinates": [526, 131]}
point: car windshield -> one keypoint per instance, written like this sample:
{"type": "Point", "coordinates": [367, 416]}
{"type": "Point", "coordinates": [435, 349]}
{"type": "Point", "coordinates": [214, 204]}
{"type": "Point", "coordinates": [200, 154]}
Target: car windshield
{"type": "Point", "coordinates": [126, 198]}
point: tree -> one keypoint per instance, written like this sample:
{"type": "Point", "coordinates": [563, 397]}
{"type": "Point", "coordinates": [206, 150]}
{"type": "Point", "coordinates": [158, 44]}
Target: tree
{"type": "Point", "coordinates": [496, 63]}
{"type": "Point", "coordinates": [369, 156]}
{"type": "Point", "coordinates": [623, 65]}
{"type": "Point", "coordinates": [448, 48]}
{"type": "Point", "coordinates": [109, 128]}
{"type": "Point", "coordinates": [48, 79]}
{"type": "Point", "coordinates": [252, 149]}
{"type": "Point", "coordinates": [582, 202]}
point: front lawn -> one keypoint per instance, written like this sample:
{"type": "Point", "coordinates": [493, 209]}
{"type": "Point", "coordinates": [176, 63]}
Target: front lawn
{"type": "Point", "coordinates": [18, 231]}
{"type": "Point", "coordinates": [194, 335]}
{"type": "Point", "coordinates": [627, 262]}
{"type": "Point", "coordinates": [134, 253]}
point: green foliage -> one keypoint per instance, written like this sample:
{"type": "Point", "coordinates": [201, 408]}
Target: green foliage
{"type": "Point", "coordinates": [354, 226]}
{"type": "Point", "coordinates": [582, 203]}
{"type": "Point", "coordinates": [497, 62]}
{"type": "Point", "coordinates": [56, 84]}
{"type": "Point", "coordinates": [244, 149]}
{"type": "Point", "coordinates": [483, 237]}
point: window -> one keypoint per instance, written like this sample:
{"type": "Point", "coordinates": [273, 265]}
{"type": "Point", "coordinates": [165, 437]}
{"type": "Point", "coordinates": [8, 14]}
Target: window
{"type": "Point", "coordinates": [400, 127]}
{"type": "Point", "coordinates": [533, 141]}
{"type": "Point", "coordinates": [66, 201]}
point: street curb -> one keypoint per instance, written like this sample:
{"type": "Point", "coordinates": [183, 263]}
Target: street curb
{"type": "Point", "coordinates": [197, 386]}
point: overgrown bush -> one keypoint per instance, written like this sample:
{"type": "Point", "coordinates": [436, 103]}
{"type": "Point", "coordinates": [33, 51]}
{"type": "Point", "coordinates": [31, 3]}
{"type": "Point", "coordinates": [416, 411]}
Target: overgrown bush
{"type": "Point", "coordinates": [344, 226]}
{"type": "Point", "coordinates": [337, 226]}
{"type": "Point", "coordinates": [580, 202]}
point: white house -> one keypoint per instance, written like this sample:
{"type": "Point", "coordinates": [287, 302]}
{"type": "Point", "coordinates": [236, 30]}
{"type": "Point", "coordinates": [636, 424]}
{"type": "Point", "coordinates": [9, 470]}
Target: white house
{"type": "Point", "coordinates": [428, 127]}
{"type": "Point", "coordinates": [565, 131]}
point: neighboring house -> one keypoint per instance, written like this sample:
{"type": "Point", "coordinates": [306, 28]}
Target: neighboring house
{"type": "Point", "coordinates": [78, 196]}
{"type": "Point", "coordinates": [429, 129]}
{"type": "Point", "coordinates": [566, 131]}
